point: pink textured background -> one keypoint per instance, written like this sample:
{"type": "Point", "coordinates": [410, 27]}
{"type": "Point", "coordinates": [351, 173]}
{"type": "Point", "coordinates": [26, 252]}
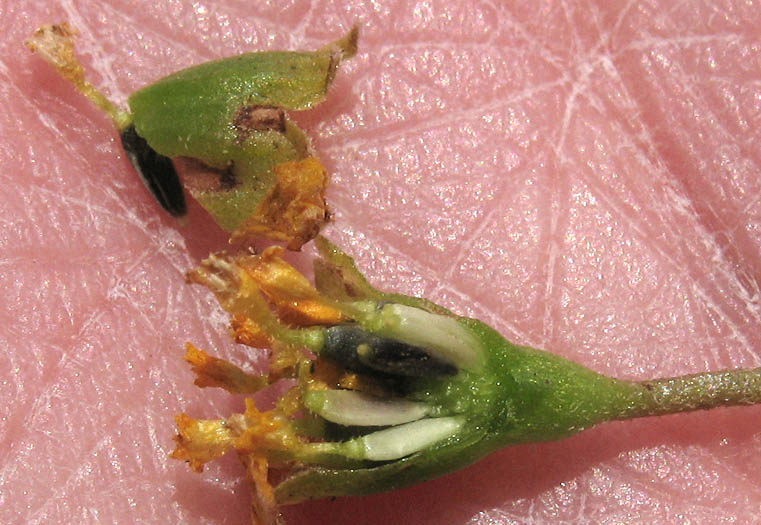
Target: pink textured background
{"type": "Point", "coordinates": [582, 175]}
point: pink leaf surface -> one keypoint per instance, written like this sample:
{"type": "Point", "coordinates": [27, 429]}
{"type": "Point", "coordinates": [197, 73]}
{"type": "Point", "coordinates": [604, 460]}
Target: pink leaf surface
{"type": "Point", "coordinates": [582, 175]}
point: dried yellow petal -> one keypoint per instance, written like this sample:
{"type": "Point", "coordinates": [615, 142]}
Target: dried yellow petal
{"type": "Point", "coordinates": [296, 301]}
{"type": "Point", "coordinates": [201, 440]}
{"type": "Point", "coordinates": [247, 332]}
{"type": "Point", "coordinates": [215, 372]}
{"type": "Point", "coordinates": [263, 504]}
{"type": "Point", "coordinates": [295, 210]}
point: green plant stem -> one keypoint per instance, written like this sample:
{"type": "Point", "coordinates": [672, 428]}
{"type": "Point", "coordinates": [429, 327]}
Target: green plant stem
{"type": "Point", "coordinates": [704, 391]}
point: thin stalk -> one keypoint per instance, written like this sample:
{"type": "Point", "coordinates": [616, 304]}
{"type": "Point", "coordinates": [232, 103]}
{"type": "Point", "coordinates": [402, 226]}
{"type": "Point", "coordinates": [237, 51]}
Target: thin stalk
{"type": "Point", "coordinates": [704, 391]}
{"type": "Point", "coordinates": [55, 45]}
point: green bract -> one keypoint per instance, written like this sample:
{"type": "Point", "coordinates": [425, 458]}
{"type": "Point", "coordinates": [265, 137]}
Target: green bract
{"type": "Point", "coordinates": [401, 390]}
{"type": "Point", "coordinates": [230, 115]}
{"type": "Point", "coordinates": [225, 123]}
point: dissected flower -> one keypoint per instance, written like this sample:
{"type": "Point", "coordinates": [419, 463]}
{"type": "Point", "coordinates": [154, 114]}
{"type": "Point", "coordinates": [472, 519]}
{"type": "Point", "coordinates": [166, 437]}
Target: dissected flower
{"type": "Point", "coordinates": [226, 123]}
{"type": "Point", "coordinates": [392, 390]}
{"type": "Point", "coordinates": [388, 390]}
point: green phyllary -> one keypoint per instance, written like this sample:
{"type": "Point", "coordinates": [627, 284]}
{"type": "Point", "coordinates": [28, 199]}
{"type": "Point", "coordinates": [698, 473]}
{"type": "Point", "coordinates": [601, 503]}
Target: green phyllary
{"type": "Point", "coordinates": [394, 390]}
{"type": "Point", "coordinates": [225, 122]}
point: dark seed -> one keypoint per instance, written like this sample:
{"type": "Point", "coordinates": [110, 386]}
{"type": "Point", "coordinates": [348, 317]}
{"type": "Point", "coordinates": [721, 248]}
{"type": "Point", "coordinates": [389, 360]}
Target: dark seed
{"type": "Point", "coordinates": [156, 171]}
{"type": "Point", "coordinates": [365, 353]}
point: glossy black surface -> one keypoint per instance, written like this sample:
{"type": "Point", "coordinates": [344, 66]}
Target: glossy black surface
{"type": "Point", "coordinates": [157, 171]}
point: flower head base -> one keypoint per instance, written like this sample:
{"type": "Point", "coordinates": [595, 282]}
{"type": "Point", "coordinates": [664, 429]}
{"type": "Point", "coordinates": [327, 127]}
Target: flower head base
{"type": "Point", "coordinates": [382, 379]}
{"type": "Point", "coordinates": [392, 390]}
